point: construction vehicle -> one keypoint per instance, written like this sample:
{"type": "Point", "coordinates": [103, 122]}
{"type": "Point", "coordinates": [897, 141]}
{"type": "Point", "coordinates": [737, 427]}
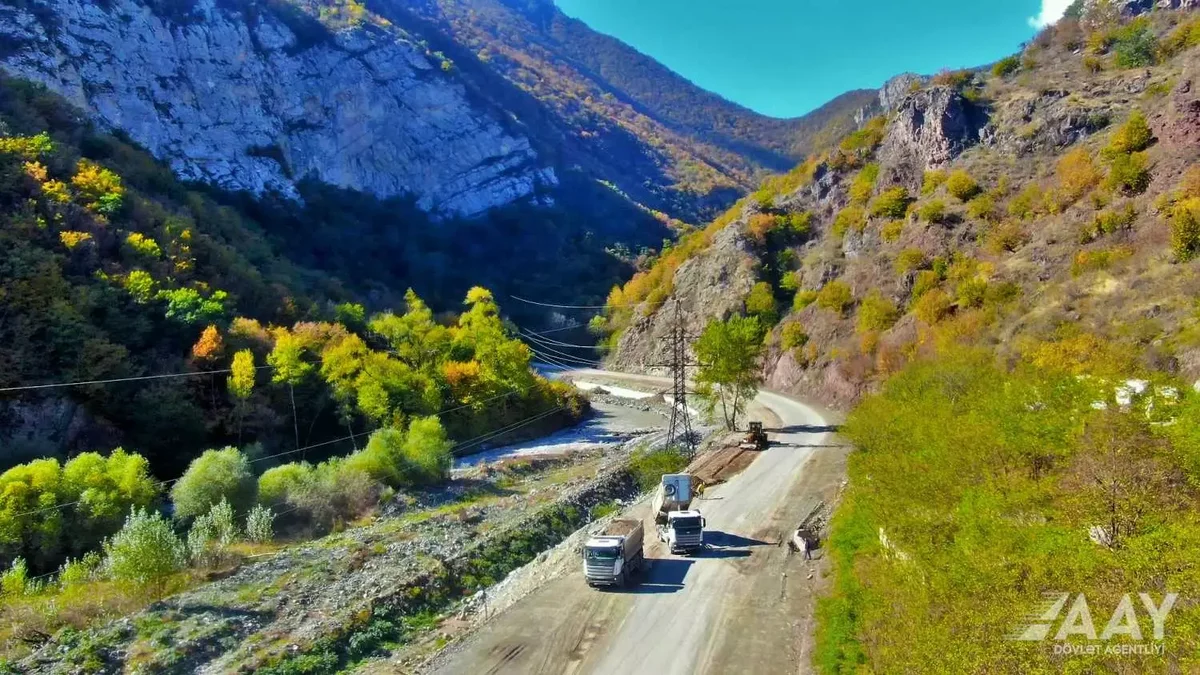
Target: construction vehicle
{"type": "Point", "coordinates": [756, 439]}
{"type": "Point", "coordinates": [678, 525]}
{"type": "Point", "coordinates": [613, 555]}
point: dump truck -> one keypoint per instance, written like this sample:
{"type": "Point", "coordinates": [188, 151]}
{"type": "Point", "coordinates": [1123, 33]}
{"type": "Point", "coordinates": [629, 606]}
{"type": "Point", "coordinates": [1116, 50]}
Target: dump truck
{"type": "Point", "coordinates": [678, 525]}
{"type": "Point", "coordinates": [756, 439]}
{"type": "Point", "coordinates": [613, 555]}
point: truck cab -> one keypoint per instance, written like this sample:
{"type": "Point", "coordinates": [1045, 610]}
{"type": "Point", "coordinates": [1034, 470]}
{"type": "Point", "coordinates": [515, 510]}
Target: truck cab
{"type": "Point", "coordinates": [612, 556]}
{"type": "Point", "coordinates": [684, 531]}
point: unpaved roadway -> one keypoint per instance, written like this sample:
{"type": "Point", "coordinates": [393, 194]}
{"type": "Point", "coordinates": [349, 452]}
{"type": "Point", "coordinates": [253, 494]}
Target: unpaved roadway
{"type": "Point", "coordinates": [743, 606]}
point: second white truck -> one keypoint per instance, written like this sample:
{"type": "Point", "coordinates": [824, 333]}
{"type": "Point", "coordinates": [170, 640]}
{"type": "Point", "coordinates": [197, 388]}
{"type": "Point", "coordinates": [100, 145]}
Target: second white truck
{"type": "Point", "coordinates": [679, 526]}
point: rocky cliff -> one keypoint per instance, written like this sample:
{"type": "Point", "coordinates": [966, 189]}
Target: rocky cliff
{"type": "Point", "coordinates": [257, 98]}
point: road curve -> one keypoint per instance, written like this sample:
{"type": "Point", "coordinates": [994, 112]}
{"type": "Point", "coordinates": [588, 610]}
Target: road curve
{"type": "Point", "coordinates": [688, 614]}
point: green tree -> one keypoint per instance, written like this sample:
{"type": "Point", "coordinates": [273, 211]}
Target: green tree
{"type": "Point", "coordinates": [214, 476]}
{"type": "Point", "coordinates": [427, 451]}
{"type": "Point", "coordinates": [729, 374]}
{"type": "Point", "coordinates": [761, 303]}
{"type": "Point", "coordinates": [145, 552]}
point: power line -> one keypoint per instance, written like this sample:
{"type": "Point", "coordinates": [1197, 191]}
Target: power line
{"type": "Point", "coordinates": [556, 356]}
{"type": "Point", "coordinates": [560, 354]}
{"type": "Point", "coordinates": [557, 306]}
{"type": "Point", "coordinates": [123, 379]}
{"type": "Point", "coordinates": [557, 343]}
{"type": "Point", "coordinates": [512, 427]}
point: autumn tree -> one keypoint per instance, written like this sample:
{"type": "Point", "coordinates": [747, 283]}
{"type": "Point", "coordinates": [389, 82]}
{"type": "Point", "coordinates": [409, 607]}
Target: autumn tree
{"type": "Point", "coordinates": [729, 375]}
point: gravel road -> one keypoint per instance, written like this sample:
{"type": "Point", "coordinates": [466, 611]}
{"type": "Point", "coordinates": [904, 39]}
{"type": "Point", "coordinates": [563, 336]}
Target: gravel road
{"type": "Point", "coordinates": [743, 606]}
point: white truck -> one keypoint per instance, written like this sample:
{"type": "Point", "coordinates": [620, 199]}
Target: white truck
{"type": "Point", "coordinates": [612, 556]}
{"type": "Point", "coordinates": [678, 525]}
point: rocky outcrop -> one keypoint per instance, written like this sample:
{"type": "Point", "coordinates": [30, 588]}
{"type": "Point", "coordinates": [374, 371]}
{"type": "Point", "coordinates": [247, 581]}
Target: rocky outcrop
{"type": "Point", "coordinates": [1136, 7]}
{"type": "Point", "coordinates": [710, 286]}
{"type": "Point", "coordinates": [254, 100]}
{"type": "Point", "coordinates": [930, 127]}
{"type": "Point", "coordinates": [1044, 121]}
{"type": "Point", "coordinates": [894, 91]}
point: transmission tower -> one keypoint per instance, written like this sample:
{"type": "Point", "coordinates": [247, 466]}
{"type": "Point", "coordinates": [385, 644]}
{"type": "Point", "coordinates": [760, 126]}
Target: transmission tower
{"type": "Point", "coordinates": [680, 432]}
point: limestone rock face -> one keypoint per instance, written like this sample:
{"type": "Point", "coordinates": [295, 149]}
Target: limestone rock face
{"type": "Point", "coordinates": [930, 127]}
{"type": "Point", "coordinates": [240, 100]}
{"type": "Point", "coordinates": [894, 91]}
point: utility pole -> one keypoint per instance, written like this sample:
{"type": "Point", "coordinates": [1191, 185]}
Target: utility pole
{"type": "Point", "coordinates": [680, 432]}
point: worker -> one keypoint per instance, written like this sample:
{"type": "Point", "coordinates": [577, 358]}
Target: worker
{"type": "Point", "coordinates": [804, 547]}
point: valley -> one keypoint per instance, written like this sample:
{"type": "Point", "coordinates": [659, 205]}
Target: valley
{"type": "Point", "coordinates": [332, 331]}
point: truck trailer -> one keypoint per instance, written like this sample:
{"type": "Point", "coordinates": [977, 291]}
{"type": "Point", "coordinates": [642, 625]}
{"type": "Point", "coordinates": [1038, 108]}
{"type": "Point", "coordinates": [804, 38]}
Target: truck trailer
{"type": "Point", "coordinates": [613, 555]}
{"type": "Point", "coordinates": [679, 526]}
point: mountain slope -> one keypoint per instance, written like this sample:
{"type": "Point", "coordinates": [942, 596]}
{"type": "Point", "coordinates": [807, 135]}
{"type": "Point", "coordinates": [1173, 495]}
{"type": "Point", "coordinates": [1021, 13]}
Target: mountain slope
{"type": "Point", "coordinates": [1046, 223]}
{"type": "Point", "coordinates": [679, 142]}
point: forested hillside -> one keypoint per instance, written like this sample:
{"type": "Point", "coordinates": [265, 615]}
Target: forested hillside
{"type": "Point", "coordinates": [113, 270]}
{"type": "Point", "coordinates": [1000, 279]}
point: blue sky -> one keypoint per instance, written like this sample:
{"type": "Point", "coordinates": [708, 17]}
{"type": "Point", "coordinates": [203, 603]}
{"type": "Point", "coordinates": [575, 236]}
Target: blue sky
{"type": "Point", "coordinates": [786, 57]}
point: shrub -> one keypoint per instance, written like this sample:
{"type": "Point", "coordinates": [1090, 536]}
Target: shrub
{"type": "Point", "coordinates": [186, 305]}
{"type": "Point", "coordinates": [790, 281]}
{"type": "Point", "coordinates": [982, 207]}
{"type": "Point", "coordinates": [932, 181]}
{"type": "Point", "coordinates": [74, 573]}
{"type": "Point", "coordinates": [933, 211]}
{"type": "Point", "coordinates": [891, 230]}
{"type": "Point", "coordinates": [141, 246]}
{"type": "Point", "coordinates": [211, 535]}
{"type": "Point", "coordinates": [891, 203]}
{"type": "Point", "coordinates": [215, 476]}
{"type": "Point", "coordinates": [971, 292]}
{"type": "Point", "coordinates": [15, 581]}
{"type": "Point", "coordinates": [97, 188]}
{"type": "Point", "coordinates": [1135, 45]}
{"type": "Point", "coordinates": [1129, 174]}
{"type": "Point", "coordinates": [1006, 237]}
{"type": "Point", "coordinates": [260, 524]}
{"type": "Point", "coordinates": [932, 306]}
{"type": "Point", "coordinates": [876, 313]}
{"type": "Point", "coordinates": [1111, 221]}
{"type": "Point", "coordinates": [910, 259]}
{"type": "Point", "coordinates": [1006, 66]}
{"type": "Point", "coordinates": [1090, 261]}
{"type": "Point", "coordinates": [145, 552]}
{"type": "Point", "coordinates": [761, 303]}
{"type": "Point", "coordinates": [140, 286]}
{"type": "Point", "coordinates": [1077, 175]}
{"type": "Point", "coordinates": [1093, 64]}
{"type": "Point", "coordinates": [418, 456]}
{"type": "Point", "coordinates": [277, 484]}
{"type": "Point", "coordinates": [1132, 136]}
{"type": "Point", "coordinates": [1028, 203]}
{"type": "Point", "coordinates": [649, 466]}
{"type": "Point", "coordinates": [851, 217]}
{"type": "Point", "coordinates": [72, 240]}
{"type": "Point", "coordinates": [835, 296]}
{"type": "Point", "coordinates": [427, 451]}
{"type": "Point", "coordinates": [1185, 229]}
{"type": "Point", "coordinates": [793, 335]}
{"type": "Point", "coordinates": [926, 281]}
{"type": "Point", "coordinates": [1184, 37]}
{"type": "Point", "coordinates": [962, 185]}
{"type": "Point", "coordinates": [864, 185]}
{"type": "Point", "coordinates": [803, 299]}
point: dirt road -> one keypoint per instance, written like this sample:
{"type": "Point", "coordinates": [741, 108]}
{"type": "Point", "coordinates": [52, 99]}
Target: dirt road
{"type": "Point", "coordinates": [743, 606]}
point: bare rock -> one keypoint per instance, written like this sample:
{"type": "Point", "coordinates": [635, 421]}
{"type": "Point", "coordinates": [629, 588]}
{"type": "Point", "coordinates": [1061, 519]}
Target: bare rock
{"type": "Point", "coordinates": [930, 127]}
{"type": "Point", "coordinates": [246, 101]}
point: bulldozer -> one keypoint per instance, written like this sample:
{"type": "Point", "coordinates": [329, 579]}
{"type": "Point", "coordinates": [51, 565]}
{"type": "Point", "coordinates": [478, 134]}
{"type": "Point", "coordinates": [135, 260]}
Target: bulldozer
{"type": "Point", "coordinates": [756, 439]}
